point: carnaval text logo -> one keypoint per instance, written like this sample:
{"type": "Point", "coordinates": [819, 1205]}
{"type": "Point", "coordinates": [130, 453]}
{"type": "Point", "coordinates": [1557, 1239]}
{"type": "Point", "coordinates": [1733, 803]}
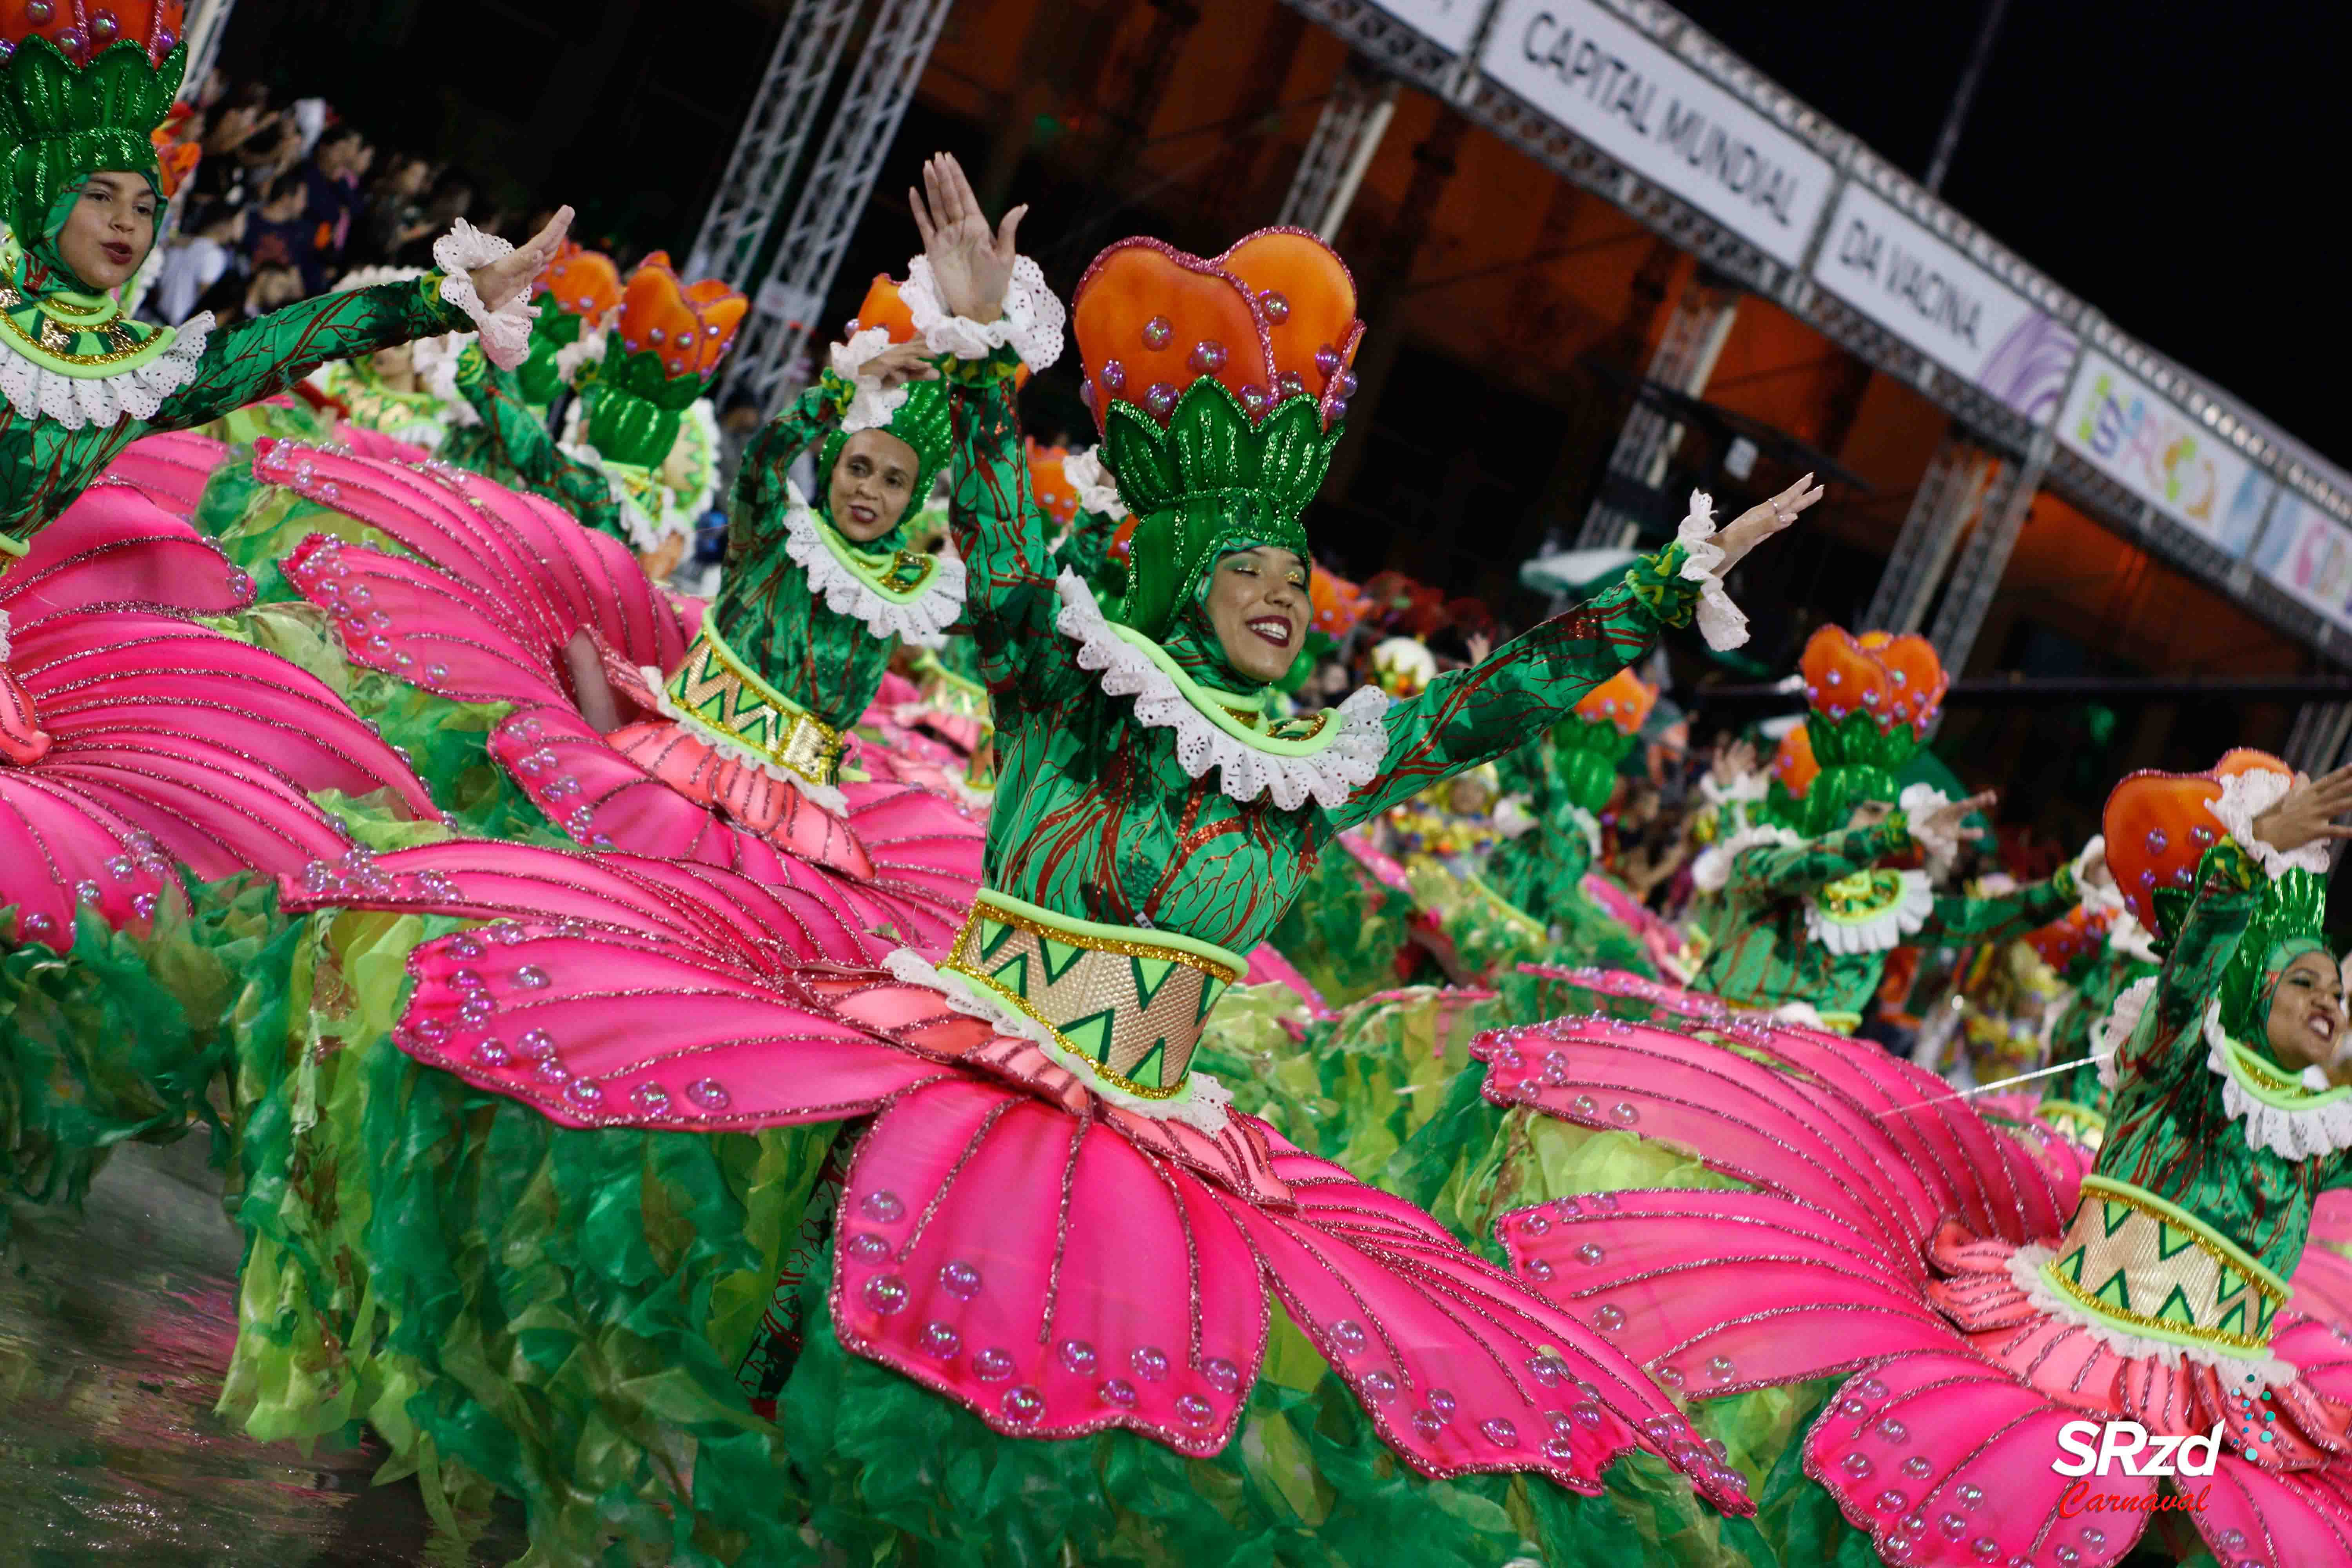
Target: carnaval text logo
{"type": "Point", "coordinates": [2093, 1451]}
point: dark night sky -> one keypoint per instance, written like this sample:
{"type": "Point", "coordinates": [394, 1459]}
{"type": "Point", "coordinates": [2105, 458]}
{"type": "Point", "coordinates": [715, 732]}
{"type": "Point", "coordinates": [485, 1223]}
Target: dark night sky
{"type": "Point", "coordinates": [2175, 165]}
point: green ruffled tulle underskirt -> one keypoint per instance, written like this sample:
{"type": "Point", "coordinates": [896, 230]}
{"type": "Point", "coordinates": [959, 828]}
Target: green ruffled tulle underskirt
{"type": "Point", "coordinates": [1344, 931]}
{"type": "Point", "coordinates": [556, 1315]}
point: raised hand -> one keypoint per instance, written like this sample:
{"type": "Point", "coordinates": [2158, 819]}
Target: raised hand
{"type": "Point", "coordinates": [1762, 521]}
{"type": "Point", "coordinates": [1945, 821]}
{"type": "Point", "coordinates": [509, 274]}
{"type": "Point", "coordinates": [2308, 813]}
{"type": "Point", "coordinates": [970, 264]}
{"type": "Point", "coordinates": [899, 363]}
{"type": "Point", "coordinates": [1734, 760]}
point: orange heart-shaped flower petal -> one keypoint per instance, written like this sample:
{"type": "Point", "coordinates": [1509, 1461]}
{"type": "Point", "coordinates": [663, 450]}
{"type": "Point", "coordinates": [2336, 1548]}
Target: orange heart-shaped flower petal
{"type": "Point", "coordinates": [1055, 496]}
{"type": "Point", "coordinates": [688, 328]}
{"type": "Point", "coordinates": [1152, 319]}
{"type": "Point", "coordinates": [583, 283]}
{"type": "Point", "coordinates": [884, 306]}
{"type": "Point", "coordinates": [1842, 676]}
{"type": "Point", "coordinates": [1309, 300]}
{"type": "Point", "coordinates": [1623, 700]}
{"type": "Point", "coordinates": [2158, 826]}
{"type": "Point", "coordinates": [1793, 763]}
{"type": "Point", "coordinates": [1915, 677]}
{"type": "Point", "coordinates": [81, 31]}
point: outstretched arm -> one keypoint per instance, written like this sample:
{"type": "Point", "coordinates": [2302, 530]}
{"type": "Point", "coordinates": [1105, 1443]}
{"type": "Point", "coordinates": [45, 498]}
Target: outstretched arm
{"type": "Point", "coordinates": [519, 439]}
{"type": "Point", "coordinates": [259, 358]}
{"type": "Point", "coordinates": [1467, 717]}
{"type": "Point", "coordinates": [1793, 871]}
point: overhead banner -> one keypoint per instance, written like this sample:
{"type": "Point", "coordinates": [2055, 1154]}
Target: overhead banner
{"type": "Point", "coordinates": [1945, 305]}
{"type": "Point", "coordinates": [2144, 442]}
{"type": "Point", "coordinates": [1451, 24]}
{"type": "Point", "coordinates": [2309, 554]}
{"type": "Point", "coordinates": [1597, 75]}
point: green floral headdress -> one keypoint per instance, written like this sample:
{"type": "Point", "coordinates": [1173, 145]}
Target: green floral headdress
{"type": "Point", "coordinates": [582, 288]}
{"type": "Point", "coordinates": [1588, 748]}
{"type": "Point", "coordinates": [671, 339]}
{"type": "Point", "coordinates": [1219, 386]}
{"type": "Point", "coordinates": [1874, 699]}
{"type": "Point", "coordinates": [77, 99]}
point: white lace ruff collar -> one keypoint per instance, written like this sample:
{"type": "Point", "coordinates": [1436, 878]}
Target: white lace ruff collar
{"type": "Point", "coordinates": [922, 619]}
{"type": "Point", "coordinates": [1344, 756]}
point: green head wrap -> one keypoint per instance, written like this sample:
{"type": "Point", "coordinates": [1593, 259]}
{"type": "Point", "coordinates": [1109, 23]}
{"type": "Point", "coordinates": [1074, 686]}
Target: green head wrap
{"type": "Point", "coordinates": [2287, 926]}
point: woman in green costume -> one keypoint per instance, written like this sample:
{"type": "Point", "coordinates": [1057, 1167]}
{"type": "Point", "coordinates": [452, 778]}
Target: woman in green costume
{"type": "Point", "coordinates": [1986, 1308]}
{"type": "Point", "coordinates": [1050, 1221]}
{"type": "Point", "coordinates": [82, 379]}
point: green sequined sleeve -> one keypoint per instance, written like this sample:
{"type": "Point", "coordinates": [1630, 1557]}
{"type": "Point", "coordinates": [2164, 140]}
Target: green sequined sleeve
{"type": "Point", "coordinates": [755, 514]}
{"type": "Point", "coordinates": [1466, 717]}
{"type": "Point", "coordinates": [1009, 569]}
{"type": "Point", "coordinates": [2228, 891]}
{"type": "Point", "coordinates": [518, 439]}
{"type": "Point", "coordinates": [2007, 916]}
{"type": "Point", "coordinates": [262, 357]}
{"type": "Point", "coordinates": [1795, 869]}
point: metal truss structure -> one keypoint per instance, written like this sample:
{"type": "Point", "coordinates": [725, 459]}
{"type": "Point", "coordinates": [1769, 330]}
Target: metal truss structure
{"type": "Point", "coordinates": [801, 241]}
{"type": "Point", "coordinates": [1345, 136]}
{"type": "Point", "coordinates": [1684, 360]}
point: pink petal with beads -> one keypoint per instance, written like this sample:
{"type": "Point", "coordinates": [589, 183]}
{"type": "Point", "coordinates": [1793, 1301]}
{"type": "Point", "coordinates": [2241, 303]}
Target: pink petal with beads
{"type": "Point", "coordinates": [1723, 1292]}
{"type": "Point", "coordinates": [596, 1031]}
{"type": "Point", "coordinates": [114, 548]}
{"type": "Point", "coordinates": [53, 837]}
{"type": "Point", "coordinates": [1935, 1454]}
{"type": "Point", "coordinates": [2256, 1519]}
{"type": "Point", "coordinates": [710, 915]}
{"type": "Point", "coordinates": [1044, 1273]}
{"type": "Point", "coordinates": [436, 632]}
{"type": "Point", "coordinates": [169, 469]}
{"type": "Point", "coordinates": [1461, 1368]}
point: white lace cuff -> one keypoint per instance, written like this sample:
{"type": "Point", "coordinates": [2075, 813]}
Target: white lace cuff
{"type": "Point", "coordinates": [435, 360]}
{"type": "Point", "coordinates": [506, 332]}
{"type": "Point", "coordinates": [1745, 790]}
{"type": "Point", "coordinates": [1032, 320]}
{"type": "Point", "coordinates": [2098, 899]}
{"type": "Point", "coordinates": [1512, 818]}
{"type": "Point", "coordinates": [2245, 797]}
{"type": "Point", "coordinates": [36, 392]}
{"type": "Point", "coordinates": [1919, 802]}
{"type": "Point", "coordinates": [2111, 1033]}
{"type": "Point", "coordinates": [1711, 872]}
{"type": "Point", "coordinates": [1097, 486]}
{"type": "Point", "coordinates": [870, 402]}
{"type": "Point", "coordinates": [1721, 621]}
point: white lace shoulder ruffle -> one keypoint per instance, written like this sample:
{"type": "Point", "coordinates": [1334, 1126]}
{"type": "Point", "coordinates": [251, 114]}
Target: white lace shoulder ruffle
{"type": "Point", "coordinates": [647, 533]}
{"type": "Point", "coordinates": [1721, 621]}
{"type": "Point", "coordinates": [1327, 777]}
{"type": "Point", "coordinates": [1881, 931]}
{"type": "Point", "coordinates": [506, 332]}
{"type": "Point", "coordinates": [2292, 1133]}
{"type": "Point", "coordinates": [1033, 322]}
{"type": "Point", "coordinates": [436, 361]}
{"type": "Point", "coordinates": [585, 350]}
{"type": "Point", "coordinates": [1097, 486]}
{"type": "Point", "coordinates": [36, 392]}
{"type": "Point", "coordinates": [1711, 872]}
{"type": "Point", "coordinates": [2245, 797]}
{"type": "Point", "coordinates": [922, 620]}
{"type": "Point", "coordinates": [2025, 1267]}
{"type": "Point", "coordinates": [1745, 790]}
{"type": "Point", "coordinates": [1202, 1102]}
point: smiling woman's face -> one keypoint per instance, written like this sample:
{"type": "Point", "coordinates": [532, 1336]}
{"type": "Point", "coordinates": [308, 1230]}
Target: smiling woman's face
{"type": "Point", "coordinates": [1258, 608]}
{"type": "Point", "coordinates": [110, 230]}
{"type": "Point", "coordinates": [2307, 1021]}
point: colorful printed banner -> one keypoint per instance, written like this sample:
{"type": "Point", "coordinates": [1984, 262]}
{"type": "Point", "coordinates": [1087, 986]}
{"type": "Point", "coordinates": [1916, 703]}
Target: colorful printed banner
{"type": "Point", "coordinates": [2144, 442]}
{"type": "Point", "coordinates": [2309, 554]}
